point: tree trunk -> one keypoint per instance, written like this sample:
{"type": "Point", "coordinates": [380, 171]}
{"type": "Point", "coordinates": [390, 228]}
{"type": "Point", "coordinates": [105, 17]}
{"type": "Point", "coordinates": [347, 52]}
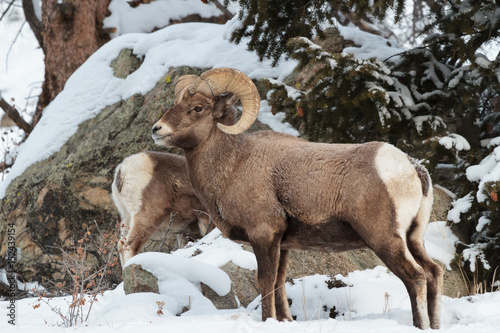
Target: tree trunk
{"type": "Point", "coordinates": [72, 31]}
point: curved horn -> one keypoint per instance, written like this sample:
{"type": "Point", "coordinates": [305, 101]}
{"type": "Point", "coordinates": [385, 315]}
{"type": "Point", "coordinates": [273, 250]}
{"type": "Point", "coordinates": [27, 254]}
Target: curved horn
{"type": "Point", "coordinates": [229, 80]}
{"type": "Point", "coordinates": [181, 84]}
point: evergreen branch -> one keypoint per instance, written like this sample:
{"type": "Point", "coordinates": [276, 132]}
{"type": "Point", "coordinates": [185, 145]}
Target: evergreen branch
{"type": "Point", "coordinates": [15, 116]}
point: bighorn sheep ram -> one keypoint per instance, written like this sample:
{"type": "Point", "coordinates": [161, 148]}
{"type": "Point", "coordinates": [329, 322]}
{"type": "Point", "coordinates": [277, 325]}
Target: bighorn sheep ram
{"type": "Point", "coordinates": [278, 192]}
{"type": "Point", "coordinates": [152, 188]}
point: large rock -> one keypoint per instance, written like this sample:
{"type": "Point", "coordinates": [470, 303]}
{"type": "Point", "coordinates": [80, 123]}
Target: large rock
{"type": "Point", "coordinates": [55, 201]}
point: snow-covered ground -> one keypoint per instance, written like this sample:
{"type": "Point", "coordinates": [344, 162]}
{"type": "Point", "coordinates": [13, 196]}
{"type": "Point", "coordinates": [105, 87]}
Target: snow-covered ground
{"type": "Point", "coordinates": [373, 300]}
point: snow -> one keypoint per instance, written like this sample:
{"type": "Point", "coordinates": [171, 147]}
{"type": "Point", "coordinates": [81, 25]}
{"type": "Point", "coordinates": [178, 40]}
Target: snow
{"type": "Point", "coordinates": [27, 287]}
{"type": "Point", "coordinates": [440, 243]}
{"type": "Point", "coordinates": [93, 85]}
{"type": "Point", "coordinates": [454, 140]}
{"type": "Point", "coordinates": [491, 142]}
{"type": "Point", "coordinates": [156, 14]}
{"type": "Point", "coordinates": [474, 252]}
{"type": "Point", "coordinates": [433, 121]}
{"type": "Point", "coordinates": [160, 264]}
{"type": "Point", "coordinates": [371, 46]}
{"type": "Point", "coordinates": [460, 206]}
{"type": "Point", "coordinates": [216, 250]}
{"type": "Point", "coordinates": [482, 222]}
{"type": "Point", "coordinates": [372, 300]}
{"type": "Point", "coordinates": [488, 170]}
{"type": "Point", "coordinates": [276, 122]}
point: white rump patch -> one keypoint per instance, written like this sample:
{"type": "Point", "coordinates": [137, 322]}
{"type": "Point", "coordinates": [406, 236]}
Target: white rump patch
{"type": "Point", "coordinates": [136, 173]}
{"type": "Point", "coordinates": [402, 182]}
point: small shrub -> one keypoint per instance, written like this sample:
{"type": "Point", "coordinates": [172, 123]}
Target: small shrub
{"type": "Point", "coordinates": [89, 278]}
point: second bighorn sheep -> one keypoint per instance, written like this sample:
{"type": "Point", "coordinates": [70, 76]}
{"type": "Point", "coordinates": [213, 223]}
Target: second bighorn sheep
{"type": "Point", "coordinates": [152, 188]}
{"type": "Point", "coordinates": [278, 192]}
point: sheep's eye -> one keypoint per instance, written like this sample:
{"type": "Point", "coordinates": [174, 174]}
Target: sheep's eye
{"type": "Point", "coordinates": [198, 108]}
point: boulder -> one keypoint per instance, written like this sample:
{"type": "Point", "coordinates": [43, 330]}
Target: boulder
{"type": "Point", "coordinates": [56, 201]}
{"type": "Point", "coordinates": [227, 301]}
{"type": "Point", "coordinates": [138, 280]}
{"type": "Point", "coordinates": [442, 202]}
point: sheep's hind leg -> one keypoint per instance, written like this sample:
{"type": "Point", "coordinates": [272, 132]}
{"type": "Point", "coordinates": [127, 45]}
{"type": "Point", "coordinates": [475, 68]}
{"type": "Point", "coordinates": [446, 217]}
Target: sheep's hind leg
{"type": "Point", "coordinates": [434, 275]}
{"type": "Point", "coordinates": [395, 254]}
{"type": "Point", "coordinates": [282, 308]}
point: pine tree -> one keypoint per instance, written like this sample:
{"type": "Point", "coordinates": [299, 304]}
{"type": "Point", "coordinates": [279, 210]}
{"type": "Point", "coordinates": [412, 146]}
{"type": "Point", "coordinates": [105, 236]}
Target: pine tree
{"type": "Point", "coordinates": [439, 101]}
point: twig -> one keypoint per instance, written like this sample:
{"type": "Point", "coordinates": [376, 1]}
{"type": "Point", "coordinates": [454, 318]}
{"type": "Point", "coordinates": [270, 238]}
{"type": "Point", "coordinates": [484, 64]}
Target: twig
{"type": "Point", "coordinates": [8, 7]}
{"type": "Point", "coordinates": [4, 166]}
{"type": "Point", "coordinates": [12, 44]}
{"type": "Point", "coordinates": [168, 229]}
{"type": "Point", "coordinates": [15, 116]}
{"type": "Point", "coordinates": [223, 9]}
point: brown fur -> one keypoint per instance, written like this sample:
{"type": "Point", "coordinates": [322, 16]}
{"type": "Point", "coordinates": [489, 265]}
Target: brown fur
{"type": "Point", "coordinates": [167, 194]}
{"type": "Point", "coordinates": [278, 192]}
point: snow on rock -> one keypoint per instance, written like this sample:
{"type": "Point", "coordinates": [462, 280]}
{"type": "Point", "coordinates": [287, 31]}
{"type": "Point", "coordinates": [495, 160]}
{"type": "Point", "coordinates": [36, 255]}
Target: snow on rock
{"type": "Point", "coordinates": [371, 46]}
{"type": "Point", "coordinates": [440, 242]}
{"type": "Point", "coordinates": [216, 250]}
{"type": "Point", "coordinates": [165, 266]}
{"type": "Point", "coordinates": [31, 288]}
{"type": "Point", "coordinates": [93, 86]}
{"type": "Point", "coordinates": [156, 14]}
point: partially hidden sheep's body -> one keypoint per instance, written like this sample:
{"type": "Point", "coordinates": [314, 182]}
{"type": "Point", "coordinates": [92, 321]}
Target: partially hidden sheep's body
{"type": "Point", "coordinates": [152, 188]}
{"type": "Point", "coordinates": [277, 192]}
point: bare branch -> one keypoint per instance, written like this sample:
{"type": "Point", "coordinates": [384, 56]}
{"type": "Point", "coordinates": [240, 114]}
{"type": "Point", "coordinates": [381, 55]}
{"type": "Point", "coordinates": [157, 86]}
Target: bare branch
{"type": "Point", "coordinates": [33, 21]}
{"type": "Point", "coordinates": [223, 9]}
{"type": "Point", "coordinates": [15, 116]}
{"type": "Point", "coordinates": [172, 215]}
{"type": "Point", "coordinates": [4, 166]}
{"type": "Point", "coordinates": [5, 11]}
{"type": "Point", "coordinates": [12, 44]}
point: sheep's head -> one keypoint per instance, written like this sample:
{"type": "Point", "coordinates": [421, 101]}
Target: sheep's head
{"type": "Point", "coordinates": [201, 104]}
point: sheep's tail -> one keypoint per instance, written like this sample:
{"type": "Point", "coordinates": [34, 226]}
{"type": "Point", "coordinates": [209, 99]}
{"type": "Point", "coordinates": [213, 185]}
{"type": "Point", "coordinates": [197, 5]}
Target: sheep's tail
{"type": "Point", "coordinates": [423, 174]}
{"type": "Point", "coordinates": [422, 218]}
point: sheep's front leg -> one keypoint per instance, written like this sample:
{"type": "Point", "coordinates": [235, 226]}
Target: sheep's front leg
{"type": "Point", "coordinates": [282, 307]}
{"type": "Point", "coordinates": [267, 254]}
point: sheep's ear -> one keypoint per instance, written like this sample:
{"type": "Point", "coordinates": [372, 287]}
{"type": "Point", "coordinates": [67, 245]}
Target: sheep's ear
{"type": "Point", "coordinates": [222, 102]}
